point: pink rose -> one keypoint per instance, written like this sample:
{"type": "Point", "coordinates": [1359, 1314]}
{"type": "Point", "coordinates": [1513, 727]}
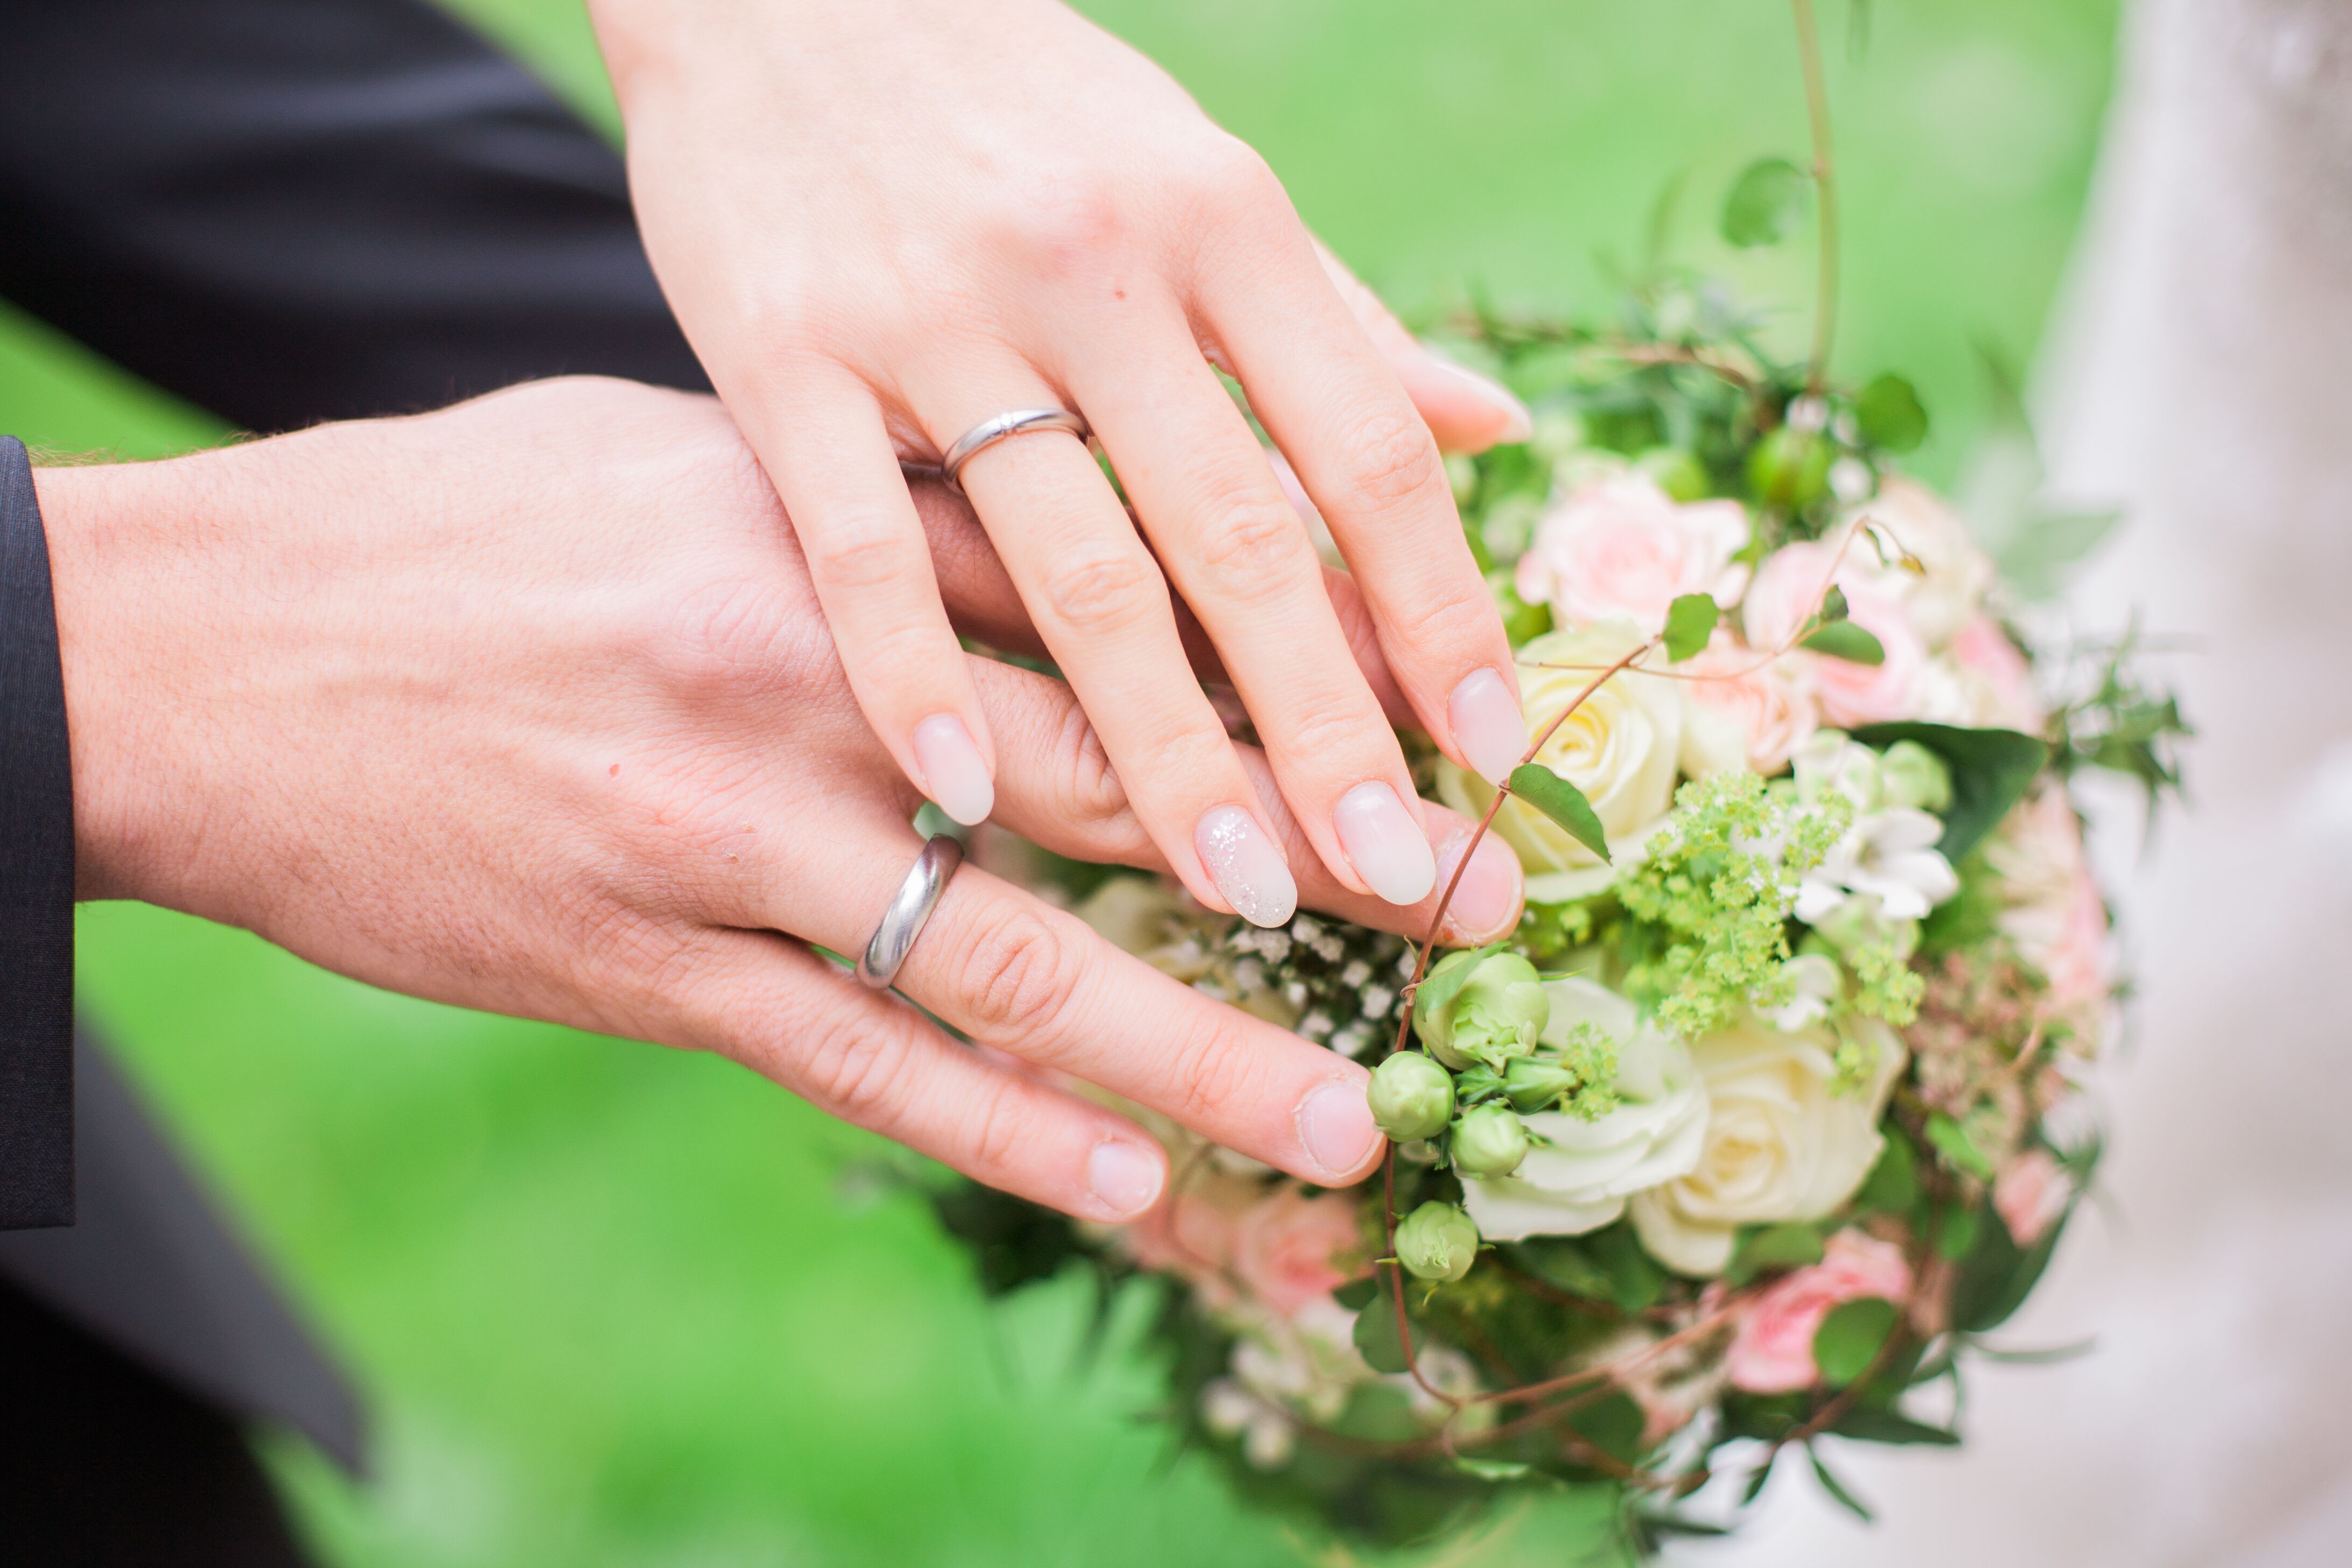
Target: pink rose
{"type": "Point", "coordinates": [2031, 1195]}
{"type": "Point", "coordinates": [1998, 681]}
{"type": "Point", "coordinates": [1743, 710]}
{"type": "Point", "coordinates": [1624, 548]}
{"type": "Point", "coordinates": [1192, 1234]}
{"type": "Point", "coordinates": [1288, 1249]}
{"type": "Point", "coordinates": [1788, 592]}
{"type": "Point", "coordinates": [1772, 1348]}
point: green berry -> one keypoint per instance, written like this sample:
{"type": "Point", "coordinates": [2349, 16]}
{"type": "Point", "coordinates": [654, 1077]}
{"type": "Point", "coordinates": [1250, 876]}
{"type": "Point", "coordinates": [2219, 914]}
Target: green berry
{"type": "Point", "coordinates": [1411, 1096]}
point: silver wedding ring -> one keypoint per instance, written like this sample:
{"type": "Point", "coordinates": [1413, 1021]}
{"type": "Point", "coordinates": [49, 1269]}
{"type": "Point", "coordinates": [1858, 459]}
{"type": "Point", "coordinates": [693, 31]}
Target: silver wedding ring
{"type": "Point", "coordinates": [988, 432]}
{"type": "Point", "coordinates": [902, 923]}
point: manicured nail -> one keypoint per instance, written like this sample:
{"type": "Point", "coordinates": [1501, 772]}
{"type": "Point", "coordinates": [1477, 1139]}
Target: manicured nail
{"type": "Point", "coordinates": [1386, 843]}
{"type": "Point", "coordinates": [1486, 900]}
{"type": "Point", "coordinates": [1487, 724]}
{"type": "Point", "coordinates": [1337, 1129]}
{"type": "Point", "coordinates": [953, 775]}
{"type": "Point", "coordinates": [1123, 1178]}
{"type": "Point", "coordinates": [1519, 423]}
{"type": "Point", "coordinates": [1246, 865]}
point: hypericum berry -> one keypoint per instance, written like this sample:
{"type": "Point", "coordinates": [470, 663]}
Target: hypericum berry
{"type": "Point", "coordinates": [1437, 1241]}
{"type": "Point", "coordinates": [1411, 1096]}
{"type": "Point", "coordinates": [1488, 1141]}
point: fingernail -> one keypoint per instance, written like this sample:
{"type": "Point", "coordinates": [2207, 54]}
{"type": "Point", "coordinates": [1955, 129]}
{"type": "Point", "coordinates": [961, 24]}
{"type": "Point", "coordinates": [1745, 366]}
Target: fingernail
{"type": "Point", "coordinates": [1123, 1178]}
{"type": "Point", "coordinates": [1488, 725]}
{"type": "Point", "coordinates": [1386, 843]}
{"type": "Point", "coordinates": [1246, 865]}
{"type": "Point", "coordinates": [1335, 1128]}
{"type": "Point", "coordinates": [1518, 423]}
{"type": "Point", "coordinates": [953, 775]}
{"type": "Point", "coordinates": [1486, 900]}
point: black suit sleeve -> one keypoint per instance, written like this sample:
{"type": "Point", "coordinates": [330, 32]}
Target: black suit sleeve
{"type": "Point", "coordinates": [36, 874]}
{"type": "Point", "coordinates": [293, 210]}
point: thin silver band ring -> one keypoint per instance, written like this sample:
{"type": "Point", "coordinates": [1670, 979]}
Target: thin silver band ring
{"type": "Point", "coordinates": [902, 923]}
{"type": "Point", "coordinates": [988, 432]}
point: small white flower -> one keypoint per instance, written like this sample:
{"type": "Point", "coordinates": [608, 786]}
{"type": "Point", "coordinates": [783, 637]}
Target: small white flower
{"type": "Point", "coordinates": [1817, 983]}
{"type": "Point", "coordinates": [1888, 855]}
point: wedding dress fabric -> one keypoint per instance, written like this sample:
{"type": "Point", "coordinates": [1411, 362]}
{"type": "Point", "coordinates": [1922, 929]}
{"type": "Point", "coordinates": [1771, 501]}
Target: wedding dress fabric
{"type": "Point", "coordinates": [2201, 374]}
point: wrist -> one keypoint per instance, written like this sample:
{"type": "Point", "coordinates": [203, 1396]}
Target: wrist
{"type": "Point", "coordinates": [103, 524]}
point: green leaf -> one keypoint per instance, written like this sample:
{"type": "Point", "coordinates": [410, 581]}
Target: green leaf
{"type": "Point", "coordinates": [1957, 1236]}
{"type": "Point", "coordinates": [1493, 1469]}
{"type": "Point", "coordinates": [1991, 771]}
{"type": "Point", "coordinates": [1959, 1150]}
{"type": "Point", "coordinates": [1849, 1338]}
{"type": "Point", "coordinates": [1837, 1489]}
{"type": "Point", "coordinates": [1357, 1294]}
{"type": "Point", "coordinates": [1559, 1260]}
{"type": "Point", "coordinates": [1833, 606]}
{"type": "Point", "coordinates": [1871, 1424]}
{"type": "Point", "coordinates": [1563, 803]}
{"type": "Point", "coordinates": [1845, 640]}
{"type": "Point", "coordinates": [1612, 1424]}
{"type": "Point", "coordinates": [1890, 413]}
{"type": "Point", "coordinates": [1893, 1184]}
{"type": "Point", "coordinates": [2043, 544]}
{"type": "Point", "coordinates": [1376, 1335]}
{"type": "Point", "coordinates": [1763, 203]}
{"type": "Point", "coordinates": [1756, 1480]}
{"type": "Point", "coordinates": [1789, 1246]}
{"type": "Point", "coordinates": [1378, 1413]}
{"type": "Point", "coordinates": [1635, 1282]}
{"type": "Point", "coordinates": [1690, 622]}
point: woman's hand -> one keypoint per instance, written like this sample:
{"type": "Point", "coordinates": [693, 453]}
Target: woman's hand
{"type": "Point", "coordinates": [528, 705]}
{"type": "Point", "coordinates": [882, 222]}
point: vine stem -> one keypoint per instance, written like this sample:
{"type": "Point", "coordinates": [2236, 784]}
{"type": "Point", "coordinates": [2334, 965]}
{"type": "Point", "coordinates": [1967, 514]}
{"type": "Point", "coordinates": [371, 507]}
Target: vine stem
{"type": "Point", "coordinates": [1817, 110]}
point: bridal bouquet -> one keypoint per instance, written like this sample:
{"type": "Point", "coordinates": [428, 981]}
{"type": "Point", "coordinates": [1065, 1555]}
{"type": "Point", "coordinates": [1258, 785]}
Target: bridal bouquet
{"type": "Point", "coordinates": [1773, 1105]}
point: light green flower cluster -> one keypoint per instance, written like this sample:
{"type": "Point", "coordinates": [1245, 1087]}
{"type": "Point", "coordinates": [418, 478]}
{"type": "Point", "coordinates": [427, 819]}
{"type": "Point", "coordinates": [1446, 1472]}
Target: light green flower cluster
{"type": "Point", "coordinates": [1719, 882]}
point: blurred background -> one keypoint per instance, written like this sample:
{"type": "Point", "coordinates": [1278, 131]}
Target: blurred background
{"type": "Point", "coordinates": [614, 1305]}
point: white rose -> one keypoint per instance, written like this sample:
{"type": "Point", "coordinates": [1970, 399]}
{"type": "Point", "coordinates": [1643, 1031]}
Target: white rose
{"type": "Point", "coordinates": [1619, 748]}
{"type": "Point", "coordinates": [1579, 1174]}
{"type": "Point", "coordinates": [1781, 1142]}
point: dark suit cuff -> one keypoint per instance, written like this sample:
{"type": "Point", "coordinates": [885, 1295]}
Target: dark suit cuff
{"type": "Point", "coordinates": [36, 872]}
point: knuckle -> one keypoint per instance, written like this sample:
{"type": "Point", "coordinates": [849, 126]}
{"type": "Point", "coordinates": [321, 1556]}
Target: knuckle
{"type": "Point", "coordinates": [1229, 177]}
{"type": "Point", "coordinates": [1255, 547]}
{"type": "Point", "coordinates": [725, 638]}
{"type": "Point", "coordinates": [1092, 797]}
{"type": "Point", "coordinates": [1000, 1124]}
{"type": "Point", "coordinates": [852, 1070]}
{"type": "Point", "coordinates": [1068, 216]}
{"type": "Point", "coordinates": [1330, 726]}
{"type": "Point", "coordinates": [1435, 618]}
{"type": "Point", "coordinates": [1096, 591]}
{"type": "Point", "coordinates": [1214, 1074]}
{"type": "Point", "coordinates": [1019, 972]}
{"type": "Point", "coordinates": [861, 553]}
{"type": "Point", "coordinates": [1390, 460]}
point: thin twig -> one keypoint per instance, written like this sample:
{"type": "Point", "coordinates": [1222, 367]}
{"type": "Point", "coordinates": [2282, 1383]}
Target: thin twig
{"type": "Point", "coordinates": [1817, 110]}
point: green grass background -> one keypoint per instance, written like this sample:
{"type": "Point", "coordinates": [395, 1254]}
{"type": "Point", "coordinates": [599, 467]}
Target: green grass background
{"type": "Point", "coordinates": [616, 1306]}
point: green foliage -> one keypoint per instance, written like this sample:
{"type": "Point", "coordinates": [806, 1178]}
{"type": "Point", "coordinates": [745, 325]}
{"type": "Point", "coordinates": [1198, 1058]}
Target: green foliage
{"type": "Point", "coordinates": [2124, 725]}
{"type": "Point", "coordinates": [1850, 1338]}
{"type": "Point", "coordinates": [1959, 1150]}
{"type": "Point", "coordinates": [1846, 640]}
{"type": "Point", "coordinates": [1893, 1184]}
{"type": "Point", "coordinates": [1991, 771]}
{"type": "Point", "coordinates": [1891, 415]}
{"type": "Point", "coordinates": [1840, 1493]}
{"type": "Point", "coordinates": [1690, 622]}
{"type": "Point", "coordinates": [1563, 803]}
{"type": "Point", "coordinates": [1612, 1424]}
{"type": "Point", "coordinates": [1012, 1242]}
{"type": "Point", "coordinates": [1792, 1245]}
{"type": "Point", "coordinates": [1764, 202]}
{"type": "Point", "coordinates": [1377, 1340]}
{"type": "Point", "coordinates": [1998, 1275]}
{"type": "Point", "coordinates": [1877, 1424]}
{"type": "Point", "coordinates": [1712, 907]}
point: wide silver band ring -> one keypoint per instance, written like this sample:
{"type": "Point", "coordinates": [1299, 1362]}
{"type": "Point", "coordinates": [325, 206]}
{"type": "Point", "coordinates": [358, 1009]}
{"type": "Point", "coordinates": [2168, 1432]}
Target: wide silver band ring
{"type": "Point", "coordinates": [902, 923]}
{"type": "Point", "coordinates": [988, 432]}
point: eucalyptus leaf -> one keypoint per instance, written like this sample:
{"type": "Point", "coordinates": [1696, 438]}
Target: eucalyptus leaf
{"type": "Point", "coordinates": [1959, 1150]}
{"type": "Point", "coordinates": [1893, 1184]}
{"type": "Point", "coordinates": [1991, 771]}
{"type": "Point", "coordinates": [1850, 1337]}
{"type": "Point", "coordinates": [1871, 1424]}
{"type": "Point", "coordinates": [1690, 622]}
{"type": "Point", "coordinates": [1763, 204]}
{"type": "Point", "coordinates": [1845, 640]}
{"type": "Point", "coordinates": [1891, 415]}
{"type": "Point", "coordinates": [1837, 1489]}
{"type": "Point", "coordinates": [1789, 1246]}
{"type": "Point", "coordinates": [1563, 803]}
{"type": "Point", "coordinates": [1376, 1335]}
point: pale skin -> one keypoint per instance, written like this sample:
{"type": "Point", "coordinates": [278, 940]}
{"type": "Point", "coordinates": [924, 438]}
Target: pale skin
{"type": "Point", "coordinates": [530, 705]}
{"type": "Point", "coordinates": [881, 222]}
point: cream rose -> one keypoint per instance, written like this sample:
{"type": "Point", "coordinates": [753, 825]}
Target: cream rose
{"type": "Point", "coordinates": [1579, 1174]}
{"type": "Point", "coordinates": [1782, 1141]}
{"type": "Point", "coordinates": [1742, 710]}
{"type": "Point", "coordinates": [1620, 748]}
{"type": "Point", "coordinates": [1621, 547]}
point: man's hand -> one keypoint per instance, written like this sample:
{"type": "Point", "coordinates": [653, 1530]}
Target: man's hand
{"type": "Point", "coordinates": [882, 222]}
{"type": "Point", "coordinates": [530, 705]}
